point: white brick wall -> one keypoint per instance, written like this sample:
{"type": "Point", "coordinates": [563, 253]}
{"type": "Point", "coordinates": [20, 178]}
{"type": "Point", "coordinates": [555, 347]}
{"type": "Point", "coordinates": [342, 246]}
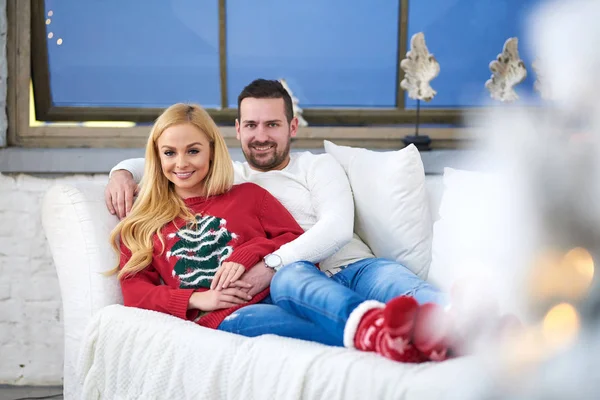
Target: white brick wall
{"type": "Point", "coordinates": [31, 331]}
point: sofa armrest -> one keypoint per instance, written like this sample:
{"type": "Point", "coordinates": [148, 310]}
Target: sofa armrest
{"type": "Point", "coordinates": [77, 226]}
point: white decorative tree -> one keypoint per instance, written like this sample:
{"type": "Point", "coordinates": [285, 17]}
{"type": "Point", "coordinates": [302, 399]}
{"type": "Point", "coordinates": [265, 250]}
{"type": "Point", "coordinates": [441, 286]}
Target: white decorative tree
{"type": "Point", "coordinates": [297, 110]}
{"type": "Point", "coordinates": [420, 67]}
{"type": "Point", "coordinates": [508, 70]}
{"type": "Point", "coordinates": [200, 251]}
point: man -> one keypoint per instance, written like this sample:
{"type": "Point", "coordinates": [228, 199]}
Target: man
{"type": "Point", "coordinates": [315, 189]}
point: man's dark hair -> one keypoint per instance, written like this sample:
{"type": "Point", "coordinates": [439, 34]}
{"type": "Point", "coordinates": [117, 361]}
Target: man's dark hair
{"type": "Point", "coordinates": [267, 89]}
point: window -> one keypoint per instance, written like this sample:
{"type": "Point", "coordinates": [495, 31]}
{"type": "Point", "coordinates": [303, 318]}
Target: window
{"type": "Point", "coordinates": [110, 53]}
{"type": "Point", "coordinates": [332, 53]}
{"type": "Point", "coordinates": [110, 60]}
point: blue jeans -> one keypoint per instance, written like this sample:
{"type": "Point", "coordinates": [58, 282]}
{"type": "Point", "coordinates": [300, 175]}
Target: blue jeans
{"type": "Point", "coordinates": [308, 305]}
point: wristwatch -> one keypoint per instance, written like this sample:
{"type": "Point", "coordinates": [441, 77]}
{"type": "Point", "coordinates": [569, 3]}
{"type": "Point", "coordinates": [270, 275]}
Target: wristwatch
{"type": "Point", "coordinates": [273, 261]}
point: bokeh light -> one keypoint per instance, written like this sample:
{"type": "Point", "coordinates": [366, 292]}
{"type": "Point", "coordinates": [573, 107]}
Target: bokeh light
{"type": "Point", "coordinates": [561, 326]}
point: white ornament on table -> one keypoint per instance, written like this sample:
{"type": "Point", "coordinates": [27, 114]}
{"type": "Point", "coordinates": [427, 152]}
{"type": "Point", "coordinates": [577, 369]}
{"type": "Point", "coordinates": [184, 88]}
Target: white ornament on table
{"type": "Point", "coordinates": [297, 110]}
{"type": "Point", "coordinates": [508, 70]}
{"type": "Point", "coordinates": [420, 67]}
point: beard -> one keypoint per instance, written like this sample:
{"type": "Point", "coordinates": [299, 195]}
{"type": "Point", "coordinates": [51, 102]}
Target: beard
{"type": "Point", "coordinates": [269, 160]}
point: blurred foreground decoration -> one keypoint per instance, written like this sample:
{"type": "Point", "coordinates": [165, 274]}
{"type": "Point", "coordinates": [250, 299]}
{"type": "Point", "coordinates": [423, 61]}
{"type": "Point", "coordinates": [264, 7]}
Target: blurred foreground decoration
{"type": "Point", "coordinates": [540, 85]}
{"type": "Point", "coordinates": [420, 67]}
{"type": "Point", "coordinates": [550, 156]}
{"type": "Point", "coordinates": [558, 284]}
{"type": "Point", "coordinates": [555, 277]}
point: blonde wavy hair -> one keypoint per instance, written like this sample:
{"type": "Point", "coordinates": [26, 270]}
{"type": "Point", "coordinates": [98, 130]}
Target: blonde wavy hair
{"type": "Point", "coordinates": [157, 203]}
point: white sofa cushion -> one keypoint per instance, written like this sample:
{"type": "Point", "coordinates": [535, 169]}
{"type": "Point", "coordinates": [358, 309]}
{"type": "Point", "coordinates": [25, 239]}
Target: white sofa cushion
{"type": "Point", "coordinates": [392, 213]}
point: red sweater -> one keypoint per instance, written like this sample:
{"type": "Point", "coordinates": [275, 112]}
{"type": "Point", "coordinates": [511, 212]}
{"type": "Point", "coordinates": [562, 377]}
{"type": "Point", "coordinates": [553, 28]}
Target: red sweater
{"type": "Point", "coordinates": [242, 226]}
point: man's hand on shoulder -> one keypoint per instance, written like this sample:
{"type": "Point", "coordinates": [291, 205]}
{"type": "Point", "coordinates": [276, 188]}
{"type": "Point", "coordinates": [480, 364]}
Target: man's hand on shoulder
{"type": "Point", "coordinates": [119, 193]}
{"type": "Point", "coordinates": [259, 276]}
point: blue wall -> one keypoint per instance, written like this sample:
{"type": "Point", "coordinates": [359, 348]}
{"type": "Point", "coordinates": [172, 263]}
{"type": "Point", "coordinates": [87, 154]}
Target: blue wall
{"type": "Point", "coordinates": [333, 53]}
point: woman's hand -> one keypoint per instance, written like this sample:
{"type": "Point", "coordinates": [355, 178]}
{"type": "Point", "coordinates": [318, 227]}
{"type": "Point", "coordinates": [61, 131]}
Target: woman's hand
{"type": "Point", "coordinates": [211, 300]}
{"type": "Point", "coordinates": [228, 273]}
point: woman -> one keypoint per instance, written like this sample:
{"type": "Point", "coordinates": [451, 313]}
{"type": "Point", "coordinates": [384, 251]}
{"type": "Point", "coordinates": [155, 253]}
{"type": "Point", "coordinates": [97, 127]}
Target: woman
{"type": "Point", "coordinates": [192, 234]}
{"type": "Point", "coordinates": [190, 226]}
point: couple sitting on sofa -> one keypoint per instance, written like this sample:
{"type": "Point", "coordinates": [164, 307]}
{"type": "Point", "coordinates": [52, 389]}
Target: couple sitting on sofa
{"type": "Point", "coordinates": [243, 257]}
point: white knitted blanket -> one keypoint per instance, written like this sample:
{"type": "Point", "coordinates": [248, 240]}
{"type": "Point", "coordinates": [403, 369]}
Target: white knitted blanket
{"type": "Point", "coordinates": [130, 353]}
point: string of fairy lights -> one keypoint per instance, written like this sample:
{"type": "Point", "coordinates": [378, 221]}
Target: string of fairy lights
{"type": "Point", "coordinates": [59, 41]}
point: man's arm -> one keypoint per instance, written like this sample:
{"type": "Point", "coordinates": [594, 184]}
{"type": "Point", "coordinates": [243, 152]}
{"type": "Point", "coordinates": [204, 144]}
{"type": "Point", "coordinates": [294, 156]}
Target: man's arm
{"type": "Point", "coordinates": [259, 277]}
{"type": "Point", "coordinates": [332, 201]}
{"type": "Point", "coordinates": [123, 185]}
{"type": "Point", "coordinates": [134, 165]}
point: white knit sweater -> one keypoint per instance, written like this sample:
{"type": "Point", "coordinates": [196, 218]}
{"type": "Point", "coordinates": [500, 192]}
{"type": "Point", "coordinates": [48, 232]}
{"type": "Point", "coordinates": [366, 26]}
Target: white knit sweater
{"type": "Point", "coordinates": [315, 190]}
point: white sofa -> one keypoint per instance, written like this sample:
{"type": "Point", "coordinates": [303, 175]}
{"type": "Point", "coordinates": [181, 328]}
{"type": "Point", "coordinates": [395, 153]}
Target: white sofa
{"type": "Point", "coordinates": [115, 352]}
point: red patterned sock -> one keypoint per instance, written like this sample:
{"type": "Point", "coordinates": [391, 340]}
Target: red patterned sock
{"type": "Point", "coordinates": [387, 330]}
{"type": "Point", "coordinates": [399, 322]}
{"type": "Point", "coordinates": [433, 332]}
{"type": "Point", "coordinates": [369, 330]}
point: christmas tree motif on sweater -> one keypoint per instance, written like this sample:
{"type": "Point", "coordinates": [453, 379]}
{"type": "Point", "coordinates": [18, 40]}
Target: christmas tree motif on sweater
{"type": "Point", "coordinates": [200, 251]}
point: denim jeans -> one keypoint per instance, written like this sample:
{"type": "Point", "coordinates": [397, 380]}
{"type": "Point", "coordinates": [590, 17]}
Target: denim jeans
{"type": "Point", "coordinates": [307, 304]}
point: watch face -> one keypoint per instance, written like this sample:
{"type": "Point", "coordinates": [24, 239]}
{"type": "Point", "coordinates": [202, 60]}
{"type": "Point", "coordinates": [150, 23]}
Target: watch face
{"type": "Point", "coordinates": [272, 260]}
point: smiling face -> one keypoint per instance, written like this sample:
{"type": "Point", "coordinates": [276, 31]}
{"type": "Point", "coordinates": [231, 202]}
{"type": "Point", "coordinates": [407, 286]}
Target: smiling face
{"type": "Point", "coordinates": [265, 133]}
{"type": "Point", "coordinates": [185, 158]}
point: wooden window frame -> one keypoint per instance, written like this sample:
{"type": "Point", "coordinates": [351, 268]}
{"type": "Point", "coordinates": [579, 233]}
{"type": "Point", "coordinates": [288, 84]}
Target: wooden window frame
{"type": "Point", "coordinates": [28, 63]}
